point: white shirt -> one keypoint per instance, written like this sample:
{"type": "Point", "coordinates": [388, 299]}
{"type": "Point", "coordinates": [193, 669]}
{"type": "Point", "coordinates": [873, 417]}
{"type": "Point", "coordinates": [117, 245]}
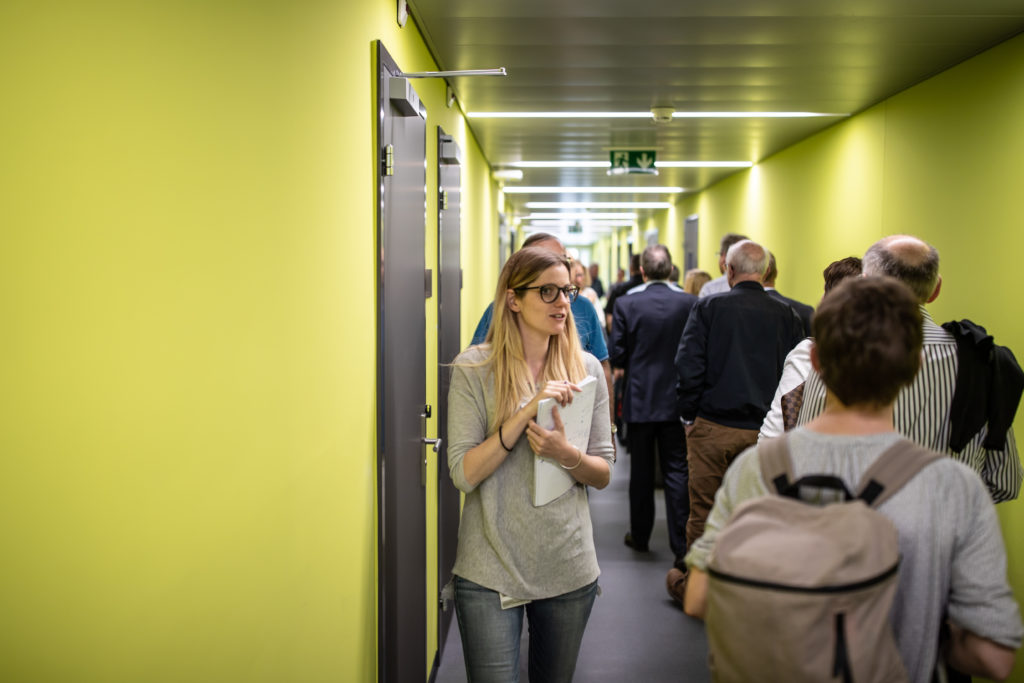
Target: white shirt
{"type": "Point", "coordinates": [922, 414]}
{"type": "Point", "coordinates": [794, 373]}
{"type": "Point", "coordinates": [716, 286]}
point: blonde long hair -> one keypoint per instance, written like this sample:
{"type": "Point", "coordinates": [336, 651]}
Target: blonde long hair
{"type": "Point", "coordinates": [564, 361]}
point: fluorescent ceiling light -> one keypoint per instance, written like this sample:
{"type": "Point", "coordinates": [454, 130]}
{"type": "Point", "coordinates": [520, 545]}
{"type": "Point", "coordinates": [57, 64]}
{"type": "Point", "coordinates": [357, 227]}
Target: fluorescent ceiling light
{"type": "Point", "coordinates": [508, 174]}
{"type": "Point", "coordinates": [647, 114]}
{"type": "Point", "coordinates": [598, 205]}
{"type": "Point", "coordinates": [559, 115]}
{"type": "Point", "coordinates": [751, 114]}
{"type": "Point", "coordinates": [703, 164]}
{"type": "Point", "coordinates": [584, 224]}
{"type": "Point", "coordinates": [561, 164]}
{"type": "Point", "coordinates": [563, 221]}
{"type": "Point", "coordinates": [575, 216]}
{"type": "Point", "coordinates": [554, 189]}
{"type": "Point", "coordinates": [607, 164]}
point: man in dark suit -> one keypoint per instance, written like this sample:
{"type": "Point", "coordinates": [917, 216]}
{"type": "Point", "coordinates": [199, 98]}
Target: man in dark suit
{"type": "Point", "coordinates": [646, 326]}
{"type": "Point", "coordinates": [803, 310]}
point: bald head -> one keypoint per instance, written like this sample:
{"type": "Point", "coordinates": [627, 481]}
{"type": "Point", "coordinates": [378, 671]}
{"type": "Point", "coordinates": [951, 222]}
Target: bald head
{"type": "Point", "coordinates": [746, 260]}
{"type": "Point", "coordinates": [543, 240]}
{"type": "Point", "coordinates": [908, 259]}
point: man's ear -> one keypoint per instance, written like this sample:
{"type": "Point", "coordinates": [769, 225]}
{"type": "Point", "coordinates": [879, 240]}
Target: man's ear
{"type": "Point", "coordinates": [513, 302]}
{"type": "Point", "coordinates": [815, 363]}
{"type": "Point", "coordinates": [935, 294]}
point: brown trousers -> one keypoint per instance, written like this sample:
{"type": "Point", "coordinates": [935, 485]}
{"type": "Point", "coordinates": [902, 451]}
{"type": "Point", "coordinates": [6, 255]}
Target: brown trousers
{"type": "Point", "coordinates": [711, 449]}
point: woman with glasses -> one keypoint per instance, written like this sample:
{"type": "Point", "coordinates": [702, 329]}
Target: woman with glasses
{"type": "Point", "coordinates": [515, 559]}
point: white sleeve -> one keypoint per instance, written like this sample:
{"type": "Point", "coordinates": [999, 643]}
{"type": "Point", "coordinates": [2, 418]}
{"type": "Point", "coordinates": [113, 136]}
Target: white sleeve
{"type": "Point", "coordinates": [794, 371]}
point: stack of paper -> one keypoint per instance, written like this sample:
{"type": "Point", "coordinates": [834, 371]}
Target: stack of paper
{"type": "Point", "coordinates": [550, 480]}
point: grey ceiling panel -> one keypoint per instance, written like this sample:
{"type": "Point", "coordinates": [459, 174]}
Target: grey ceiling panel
{"type": "Point", "coordinates": [743, 55]}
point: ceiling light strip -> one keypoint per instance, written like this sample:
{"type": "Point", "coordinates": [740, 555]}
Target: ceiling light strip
{"type": "Point", "coordinates": [649, 115]}
{"type": "Point", "coordinates": [554, 189]}
{"type": "Point", "coordinates": [607, 164]}
{"type": "Point", "coordinates": [598, 205]}
{"type": "Point", "coordinates": [577, 216]}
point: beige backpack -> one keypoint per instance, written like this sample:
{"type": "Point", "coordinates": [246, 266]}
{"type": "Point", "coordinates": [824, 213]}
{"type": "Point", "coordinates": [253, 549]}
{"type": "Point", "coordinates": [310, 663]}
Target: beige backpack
{"type": "Point", "coordinates": [802, 592]}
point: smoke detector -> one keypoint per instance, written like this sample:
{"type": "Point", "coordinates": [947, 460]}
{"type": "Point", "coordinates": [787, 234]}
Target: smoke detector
{"type": "Point", "coordinates": [662, 114]}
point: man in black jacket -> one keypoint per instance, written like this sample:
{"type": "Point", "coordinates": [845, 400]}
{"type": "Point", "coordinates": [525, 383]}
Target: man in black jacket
{"type": "Point", "coordinates": [729, 362]}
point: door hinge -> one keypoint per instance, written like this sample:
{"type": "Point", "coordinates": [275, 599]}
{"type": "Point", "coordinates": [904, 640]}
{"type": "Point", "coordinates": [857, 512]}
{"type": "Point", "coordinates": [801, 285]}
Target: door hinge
{"type": "Point", "coordinates": [442, 200]}
{"type": "Point", "coordinates": [388, 160]}
{"type": "Point", "coordinates": [428, 286]}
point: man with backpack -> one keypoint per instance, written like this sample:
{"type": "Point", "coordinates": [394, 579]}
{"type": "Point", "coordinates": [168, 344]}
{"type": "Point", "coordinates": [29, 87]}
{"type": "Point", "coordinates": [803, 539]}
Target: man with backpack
{"type": "Point", "coordinates": [947, 542]}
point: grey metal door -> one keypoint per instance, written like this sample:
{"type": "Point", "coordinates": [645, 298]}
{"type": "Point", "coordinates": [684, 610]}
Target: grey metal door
{"type": "Point", "coordinates": [401, 390]}
{"type": "Point", "coordinates": [690, 245]}
{"type": "Point", "coordinates": [449, 292]}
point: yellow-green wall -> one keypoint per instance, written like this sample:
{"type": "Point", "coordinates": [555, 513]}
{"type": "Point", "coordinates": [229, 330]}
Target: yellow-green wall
{"type": "Point", "coordinates": [941, 160]}
{"type": "Point", "coordinates": [187, 274]}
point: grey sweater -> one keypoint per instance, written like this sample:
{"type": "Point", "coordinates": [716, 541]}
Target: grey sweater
{"type": "Point", "coordinates": [953, 562]}
{"type": "Point", "coordinates": [505, 543]}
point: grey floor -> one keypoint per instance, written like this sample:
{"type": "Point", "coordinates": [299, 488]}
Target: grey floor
{"type": "Point", "coordinates": [635, 632]}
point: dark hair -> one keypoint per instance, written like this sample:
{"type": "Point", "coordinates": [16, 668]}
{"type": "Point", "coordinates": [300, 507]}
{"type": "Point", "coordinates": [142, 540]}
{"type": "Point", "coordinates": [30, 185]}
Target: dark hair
{"type": "Point", "coordinates": [656, 262]}
{"type": "Point", "coordinates": [868, 336]}
{"type": "Point", "coordinates": [634, 263]}
{"type": "Point", "coordinates": [910, 260]}
{"type": "Point", "coordinates": [837, 271]}
{"type": "Point", "coordinates": [773, 270]}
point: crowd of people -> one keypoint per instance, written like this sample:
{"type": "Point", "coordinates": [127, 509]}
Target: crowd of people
{"type": "Point", "coordinates": [691, 379]}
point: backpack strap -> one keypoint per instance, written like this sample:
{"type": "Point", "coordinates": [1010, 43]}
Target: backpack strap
{"type": "Point", "coordinates": [776, 466]}
{"type": "Point", "coordinates": [893, 468]}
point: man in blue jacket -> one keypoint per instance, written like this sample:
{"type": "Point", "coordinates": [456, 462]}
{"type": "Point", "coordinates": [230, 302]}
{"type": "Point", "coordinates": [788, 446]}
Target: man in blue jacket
{"type": "Point", "coordinates": [588, 326]}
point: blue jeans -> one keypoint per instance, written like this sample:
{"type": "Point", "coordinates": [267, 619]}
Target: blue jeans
{"type": "Point", "coordinates": [491, 635]}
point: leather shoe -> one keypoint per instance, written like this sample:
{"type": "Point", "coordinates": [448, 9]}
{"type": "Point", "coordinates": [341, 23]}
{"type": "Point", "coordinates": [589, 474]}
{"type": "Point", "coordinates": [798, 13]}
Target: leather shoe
{"type": "Point", "coordinates": [675, 583]}
{"type": "Point", "coordinates": [639, 547]}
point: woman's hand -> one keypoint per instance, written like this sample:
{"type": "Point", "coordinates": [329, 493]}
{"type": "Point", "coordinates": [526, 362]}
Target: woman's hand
{"type": "Point", "coordinates": [562, 391]}
{"type": "Point", "coordinates": [552, 443]}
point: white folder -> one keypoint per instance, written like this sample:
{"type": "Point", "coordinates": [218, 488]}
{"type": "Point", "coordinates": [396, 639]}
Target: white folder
{"type": "Point", "coordinates": [551, 480]}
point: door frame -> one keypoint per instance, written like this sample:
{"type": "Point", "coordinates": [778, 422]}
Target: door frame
{"type": "Point", "coordinates": [401, 505]}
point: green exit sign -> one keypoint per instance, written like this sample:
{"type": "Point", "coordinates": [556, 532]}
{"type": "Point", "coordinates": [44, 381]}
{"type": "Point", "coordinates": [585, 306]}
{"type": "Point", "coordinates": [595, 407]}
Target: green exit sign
{"type": "Point", "coordinates": [633, 161]}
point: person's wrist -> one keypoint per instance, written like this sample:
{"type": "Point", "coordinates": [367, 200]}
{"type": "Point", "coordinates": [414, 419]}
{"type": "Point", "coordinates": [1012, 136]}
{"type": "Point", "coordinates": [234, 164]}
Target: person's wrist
{"type": "Point", "coordinates": [579, 459]}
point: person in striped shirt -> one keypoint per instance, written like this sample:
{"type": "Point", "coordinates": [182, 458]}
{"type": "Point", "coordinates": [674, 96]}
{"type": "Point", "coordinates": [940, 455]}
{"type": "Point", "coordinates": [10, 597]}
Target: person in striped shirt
{"type": "Point", "coordinates": [923, 407]}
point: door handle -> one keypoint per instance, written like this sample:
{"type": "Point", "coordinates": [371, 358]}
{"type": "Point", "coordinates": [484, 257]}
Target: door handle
{"type": "Point", "coordinates": [436, 443]}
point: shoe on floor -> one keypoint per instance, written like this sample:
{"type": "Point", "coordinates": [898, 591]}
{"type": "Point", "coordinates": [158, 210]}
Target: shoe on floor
{"type": "Point", "coordinates": [640, 548]}
{"type": "Point", "coordinates": [675, 583]}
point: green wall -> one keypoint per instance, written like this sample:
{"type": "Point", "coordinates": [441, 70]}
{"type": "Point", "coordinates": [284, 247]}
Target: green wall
{"type": "Point", "coordinates": [942, 161]}
{"type": "Point", "coordinates": [187, 281]}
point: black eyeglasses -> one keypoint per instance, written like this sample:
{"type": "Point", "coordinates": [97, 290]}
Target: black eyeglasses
{"type": "Point", "coordinates": [548, 293]}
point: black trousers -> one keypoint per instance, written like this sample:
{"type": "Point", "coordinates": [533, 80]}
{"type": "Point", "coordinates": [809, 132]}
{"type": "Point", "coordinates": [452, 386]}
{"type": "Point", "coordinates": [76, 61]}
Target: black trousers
{"type": "Point", "coordinates": [666, 441]}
